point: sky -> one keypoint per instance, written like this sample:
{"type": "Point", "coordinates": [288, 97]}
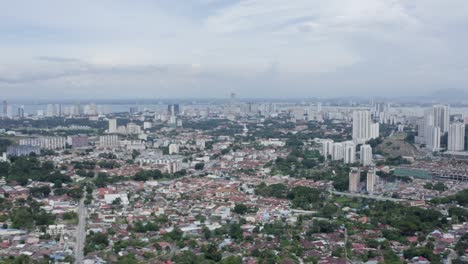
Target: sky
{"type": "Point", "coordinates": [106, 49]}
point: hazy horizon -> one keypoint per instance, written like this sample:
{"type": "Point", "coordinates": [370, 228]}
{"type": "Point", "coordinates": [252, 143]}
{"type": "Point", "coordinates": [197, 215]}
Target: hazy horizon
{"type": "Point", "coordinates": [81, 50]}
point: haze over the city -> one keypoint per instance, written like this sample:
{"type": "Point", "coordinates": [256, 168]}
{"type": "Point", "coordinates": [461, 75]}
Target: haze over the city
{"type": "Point", "coordinates": [233, 132]}
{"type": "Point", "coordinates": [209, 48]}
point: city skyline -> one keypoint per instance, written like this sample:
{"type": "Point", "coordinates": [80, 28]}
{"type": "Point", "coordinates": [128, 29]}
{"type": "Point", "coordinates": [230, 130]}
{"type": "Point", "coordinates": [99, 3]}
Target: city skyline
{"type": "Point", "coordinates": [256, 48]}
{"type": "Point", "coordinates": [234, 132]}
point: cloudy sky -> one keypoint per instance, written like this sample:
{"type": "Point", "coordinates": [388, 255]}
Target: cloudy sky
{"type": "Point", "coordinates": [209, 48]}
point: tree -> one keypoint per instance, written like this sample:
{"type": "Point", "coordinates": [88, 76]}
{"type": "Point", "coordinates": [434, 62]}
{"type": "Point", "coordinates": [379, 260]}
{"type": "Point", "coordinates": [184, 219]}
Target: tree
{"type": "Point", "coordinates": [278, 190]}
{"type": "Point", "coordinates": [117, 201]}
{"type": "Point", "coordinates": [199, 166]}
{"type": "Point", "coordinates": [22, 218]}
{"type": "Point", "coordinates": [391, 258]}
{"type": "Point", "coordinates": [26, 217]}
{"type": "Point", "coordinates": [232, 260]}
{"type": "Point", "coordinates": [207, 233]}
{"type": "Point", "coordinates": [440, 187]}
{"type": "Point", "coordinates": [212, 253]}
{"type": "Point", "coordinates": [187, 257]}
{"type": "Point", "coordinates": [462, 244]}
{"type": "Point", "coordinates": [175, 235]}
{"type": "Point", "coordinates": [96, 241]}
{"type": "Point", "coordinates": [329, 210]}
{"type": "Point", "coordinates": [70, 216]}
{"type": "Point", "coordinates": [424, 252]}
{"type": "Point", "coordinates": [235, 231]}
{"type": "Point", "coordinates": [135, 154]}
{"type": "Point", "coordinates": [240, 208]}
{"type": "Point", "coordinates": [40, 192]}
{"type": "Point", "coordinates": [146, 175]}
{"type": "Point", "coordinates": [304, 197]}
{"type": "Point", "coordinates": [75, 193]}
{"type": "Point", "coordinates": [128, 259]}
{"type": "Point", "coordinates": [320, 226]}
{"type": "Point", "coordinates": [458, 213]}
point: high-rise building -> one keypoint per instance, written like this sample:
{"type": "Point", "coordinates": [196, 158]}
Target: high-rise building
{"type": "Point", "coordinates": [112, 126]}
{"type": "Point", "coordinates": [147, 125]}
{"type": "Point", "coordinates": [133, 110]}
{"type": "Point", "coordinates": [456, 137]}
{"type": "Point", "coordinates": [77, 110]}
{"type": "Point", "coordinates": [380, 108]}
{"type": "Point", "coordinates": [44, 142]}
{"type": "Point", "coordinates": [23, 150]}
{"type": "Point", "coordinates": [78, 141]}
{"type": "Point", "coordinates": [371, 181]}
{"type": "Point", "coordinates": [59, 109]}
{"type": "Point", "coordinates": [5, 108]}
{"type": "Point", "coordinates": [173, 120]}
{"type": "Point", "coordinates": [173, 149]}
{"type": "Point", "coordinates": [133, 128]}
{"type": "Point", "coordinates": [349, 152]}
{"type": "Point", "coordinates": [423, 124]}
{"type": "Point", "coordinates": [21, 112]}
{"type": "Point", "coordinates": [366, 155]}
{"type": "Point", "coordinates": [432, 126]}
{"type": "Point", "coordinates": [327, 148]}
{"type": "Point", "coordinates": [354, 180]}
{"type": "Point", "coordinates": [173, 109]}
{"type": "Point", "coordinates": [441, 117]}
{"type": "Point", "coordinates": [109, 141]}
{"type": "Point", "coordinates": [361, 126]}
{"type": "Point", "coordinates": [374, 130]}
{"type": "Point", "coordinates": [433, 138]}
{"type": "Point", "coordinates": [91, 109]}
{"type": "Point", "coordinates": [338, 151]}
{"type": "Point", "coordinates": [54, 110]}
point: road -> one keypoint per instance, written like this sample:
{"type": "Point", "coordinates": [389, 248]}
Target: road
{"type": "Point", "coordinates": [380, 198]}
{"type": "Point", "coordinates": [80, 233]}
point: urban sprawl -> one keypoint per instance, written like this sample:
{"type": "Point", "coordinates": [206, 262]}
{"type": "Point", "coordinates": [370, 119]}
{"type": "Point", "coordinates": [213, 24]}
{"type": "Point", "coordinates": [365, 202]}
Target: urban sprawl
{"type": "Point", "coordinates": [234, 182]}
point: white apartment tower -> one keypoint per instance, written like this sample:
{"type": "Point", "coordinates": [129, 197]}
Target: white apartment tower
{"type": "Point", "coordinates": [45, 142]}
{"type": "Point", "coordinates": [133, 128]}
{"type": "Point", "coordinates": [433, 138]}
{"type": "Point", "coordinates": [338, 151]}
{"type": "Point", "coordinates": [349, 153]}
{"type": "Point", "coordinates": [109, 141]}
{"type": "Point", "coordinates": [371, 181]}
{"type": "Point", "coordinates": [366, 155]}
{"type": "Point", "coordinates": [173, 149]}
{"type": "Point", "coordinates": [374, 130]}
{"type": "Point", "coordinates": [112, 125]}
{"type": "Point", "coordinates": [354, 179]}
{"type": "Point", "coordinates": [441, 117]}
{"type": "Point", "coordinates": [456, 137]}
{"type": "Point", "coordinates": [361, 126]}
{"type": "Point", "coordinates": [423, 124]}
{"type": "Point", "coordinates": [327, 148]}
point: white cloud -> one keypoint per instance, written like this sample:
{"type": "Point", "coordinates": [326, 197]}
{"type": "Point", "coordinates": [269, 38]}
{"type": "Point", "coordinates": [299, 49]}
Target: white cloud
{"type": "Point", "coordinates": [335, 44]}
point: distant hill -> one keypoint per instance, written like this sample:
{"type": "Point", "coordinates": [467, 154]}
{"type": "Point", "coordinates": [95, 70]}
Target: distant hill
{"type": "Point", "coordinates": [396, 146]}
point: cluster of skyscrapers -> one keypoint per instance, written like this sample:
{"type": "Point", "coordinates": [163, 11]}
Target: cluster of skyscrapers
{"type": "Point", "coordinates": [130, 128]}
{"type": "Point", "coordinates": [355, 180]}
{"type": "Point", "coordinates": [364, 128]}
{"type": "Point", "coordinates": [435, 124]}
{"type": "Point", "coordinates": [346, 152]}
